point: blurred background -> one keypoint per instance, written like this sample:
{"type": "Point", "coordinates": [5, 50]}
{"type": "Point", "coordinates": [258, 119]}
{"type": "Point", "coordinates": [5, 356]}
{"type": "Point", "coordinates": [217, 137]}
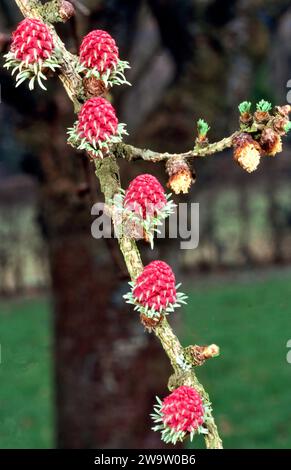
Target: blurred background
{"type": "Point", "coordinates": [77, 370]}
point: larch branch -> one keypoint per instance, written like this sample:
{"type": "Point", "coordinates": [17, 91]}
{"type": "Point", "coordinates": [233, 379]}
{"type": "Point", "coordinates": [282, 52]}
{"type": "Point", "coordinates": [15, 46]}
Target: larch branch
{"type": "Point", "coordinates": [107, 171]}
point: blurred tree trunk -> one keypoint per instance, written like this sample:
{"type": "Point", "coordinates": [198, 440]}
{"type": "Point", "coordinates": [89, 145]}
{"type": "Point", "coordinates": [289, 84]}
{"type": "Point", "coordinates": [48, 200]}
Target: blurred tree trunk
{"type": "Point", "coordinates": [107, 370]}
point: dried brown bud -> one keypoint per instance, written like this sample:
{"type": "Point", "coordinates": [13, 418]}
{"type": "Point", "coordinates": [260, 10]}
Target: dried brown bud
{"type": "Point", "coordinates": [247, 152]}
{"type": "Point", "coordinates": [150, 323]}
{"type": "Point", "coordinates": [270, 142]}
{"type": "Point", "coordinates": [246, 118]}
{"type": "Point", "coordinates": [283, 110]}
{"type": "Point", "coordinates": [199, 354]}
{"type": "Point", "coordinates": [93, 87]}
{"type": "Point", "coordinates": [261, 117]}
{"type": "Point", "coordinates": [279, 124]}
{"type": "Point", "coordinates": [181, 175]}
{"type": "Point", "coordinates": [202, 141]}
{"type": "Point", "coordinates": [67, 10]}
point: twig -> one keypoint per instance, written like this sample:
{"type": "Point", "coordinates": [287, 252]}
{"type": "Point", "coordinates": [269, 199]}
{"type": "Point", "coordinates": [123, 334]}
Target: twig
{"type": "Point", "coordinates": [131, 153]}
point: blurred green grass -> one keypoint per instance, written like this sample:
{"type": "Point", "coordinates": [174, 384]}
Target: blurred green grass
{"type": "Point", "coordinates": [249, 383]}
{"type": "Point", "coordinates": [26, 411]}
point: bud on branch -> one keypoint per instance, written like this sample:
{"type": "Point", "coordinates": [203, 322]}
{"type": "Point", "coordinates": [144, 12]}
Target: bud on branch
{"type": "Point", "coordinates": [199, 354]}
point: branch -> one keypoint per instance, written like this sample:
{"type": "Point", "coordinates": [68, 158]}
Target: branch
{"type": "Point", "coordinates": [130, 153]}
{"type": "Point", "coordinates": [204, 148]}
{"type": "Point", "coordinates": [51, 12]}
{"type": "Point", "coordinates": [182, 359]}
{"type": "Point", "coordinates": [107, 172]}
